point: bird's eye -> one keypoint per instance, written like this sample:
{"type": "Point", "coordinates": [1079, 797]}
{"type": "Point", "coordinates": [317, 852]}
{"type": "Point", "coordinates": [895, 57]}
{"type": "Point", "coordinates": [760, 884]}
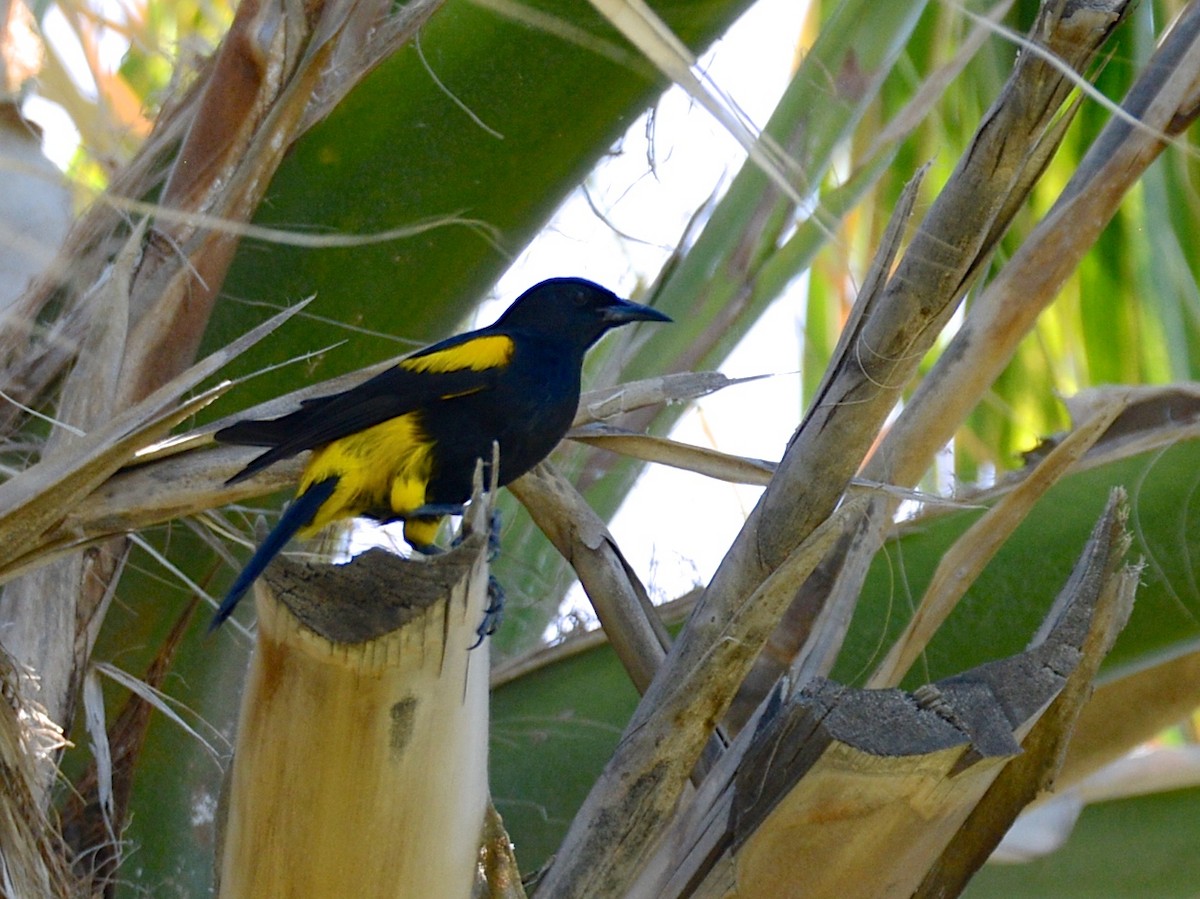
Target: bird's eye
{"type": "Point", "coordinates": [580, 300]}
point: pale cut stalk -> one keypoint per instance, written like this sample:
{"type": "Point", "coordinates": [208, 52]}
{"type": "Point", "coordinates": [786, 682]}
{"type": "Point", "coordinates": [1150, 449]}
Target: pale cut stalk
{"type": "Point", "coordinates": [818, 794]}
{"type": "Point", "coordinates": [360, 767]}
{"type": "Point", "coordinates": [1106, 586]}
{"type": "Point", "coordinates": [361, 760]}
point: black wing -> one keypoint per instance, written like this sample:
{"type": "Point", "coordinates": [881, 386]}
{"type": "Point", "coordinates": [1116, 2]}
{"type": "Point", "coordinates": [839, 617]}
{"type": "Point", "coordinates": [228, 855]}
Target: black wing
{"type": "Point", "coordinates": [461, 365]}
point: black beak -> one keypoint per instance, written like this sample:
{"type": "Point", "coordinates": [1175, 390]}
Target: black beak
{"type": "Point", "coordinates": [623, 311]}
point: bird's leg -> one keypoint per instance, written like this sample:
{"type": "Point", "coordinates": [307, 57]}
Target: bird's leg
{"type": "Point", "coordinates": [494, 535]}
{"type": "Point", "coordinates": [436, 510]}
{"type": "Point", "coordinates": [494, 524]}
{"type": "Point", "coordinates": [493, 614]}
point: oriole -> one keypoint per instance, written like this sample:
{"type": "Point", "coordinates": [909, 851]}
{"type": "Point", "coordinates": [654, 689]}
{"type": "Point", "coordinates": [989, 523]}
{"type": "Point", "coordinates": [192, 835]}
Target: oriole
{"type": "Point", "coordinates": [404, 444]}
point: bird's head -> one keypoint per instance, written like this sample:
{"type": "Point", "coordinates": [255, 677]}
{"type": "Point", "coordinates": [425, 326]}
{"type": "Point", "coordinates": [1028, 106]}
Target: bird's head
{"type": "Point", "coordinates": [575, 309]}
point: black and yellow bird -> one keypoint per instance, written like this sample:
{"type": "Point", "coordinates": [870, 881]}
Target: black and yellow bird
{"type": "Point", "coordinates": [404, 444]}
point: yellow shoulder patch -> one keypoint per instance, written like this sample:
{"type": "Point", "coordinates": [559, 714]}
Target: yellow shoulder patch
{"type": "Point", "coordinates": [478, 354]}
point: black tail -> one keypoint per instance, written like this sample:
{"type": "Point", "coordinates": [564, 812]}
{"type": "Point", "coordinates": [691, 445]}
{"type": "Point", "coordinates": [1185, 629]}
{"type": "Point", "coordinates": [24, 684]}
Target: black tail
{"type": "Point", "coordinates": [301, 512]}
{"type": "Point", "coordinates": [253, 432]}
{"type": "Point", "coordinates": [261, 461]}
{"type": "Point", "coordinates": [274, 433]}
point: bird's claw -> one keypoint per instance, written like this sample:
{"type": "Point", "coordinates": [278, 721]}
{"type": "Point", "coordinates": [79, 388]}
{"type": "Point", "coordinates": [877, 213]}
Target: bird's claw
{"type": "Point", "coordinates": [492, 615]}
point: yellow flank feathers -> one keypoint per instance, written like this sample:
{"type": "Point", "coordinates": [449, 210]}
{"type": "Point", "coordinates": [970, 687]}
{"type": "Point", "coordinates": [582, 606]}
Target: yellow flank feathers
{"type": "Point", "coordinates": [478, 354]}
{"type": "Point", "coordinates": [386, 466]}
{"type": "Point", "coordinates": [421, 531]}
